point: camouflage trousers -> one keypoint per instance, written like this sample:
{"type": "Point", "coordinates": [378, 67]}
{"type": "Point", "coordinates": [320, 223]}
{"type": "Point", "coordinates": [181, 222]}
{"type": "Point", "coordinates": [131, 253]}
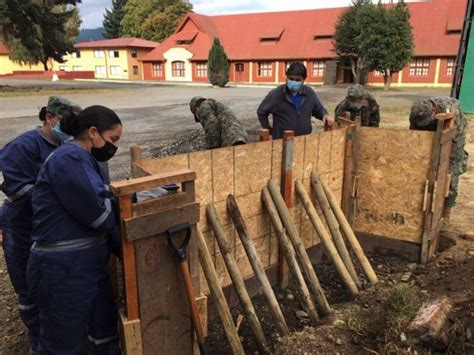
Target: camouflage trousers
{"type": "Point", "coordinates": [458, 165]}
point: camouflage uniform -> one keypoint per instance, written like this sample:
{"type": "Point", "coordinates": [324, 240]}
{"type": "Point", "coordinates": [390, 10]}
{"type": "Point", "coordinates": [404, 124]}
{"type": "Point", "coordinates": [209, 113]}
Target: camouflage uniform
{"type": "Point", "coordinates": [421, 119]}
{"type": "Point", "coordinates": [61, 107]}
{"type": "Point", "coordinates": [221, 126]}
{"type": "Point", "coordinates": [360, 102]}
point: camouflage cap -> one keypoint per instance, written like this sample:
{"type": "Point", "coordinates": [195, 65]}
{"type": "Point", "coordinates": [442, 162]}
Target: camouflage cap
{"type": "Point", "coordinates": [194, 101]}
{"type": "Point", "coordinates": [355, 94]}
{"type": "Point", "coordinates": [422, 112]}
{"type": "Point", "coordinates": [61, 107]}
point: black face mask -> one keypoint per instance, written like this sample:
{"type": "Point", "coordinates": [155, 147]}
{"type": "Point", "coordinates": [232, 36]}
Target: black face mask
{"type": "Point", "coordinates": [104, 153]}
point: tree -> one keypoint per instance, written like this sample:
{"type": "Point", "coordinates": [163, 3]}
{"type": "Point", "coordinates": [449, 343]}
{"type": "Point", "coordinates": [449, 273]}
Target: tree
{"type": "Point", "coordinates": [113, 18]}
{"type": "Point", "coordinates": [35, 31]}
{"type": "Point", "coordinates": [218, 65]}
{"type": "Point", "coordinates": [154, 20]}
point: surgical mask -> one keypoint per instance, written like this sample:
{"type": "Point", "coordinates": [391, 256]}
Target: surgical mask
{"type": "Point", "coordinates": [294, 86]}
{"type": "Point", "coordinates": [60, 135]}
{"type": "Point", "coordinates": [104, 153]}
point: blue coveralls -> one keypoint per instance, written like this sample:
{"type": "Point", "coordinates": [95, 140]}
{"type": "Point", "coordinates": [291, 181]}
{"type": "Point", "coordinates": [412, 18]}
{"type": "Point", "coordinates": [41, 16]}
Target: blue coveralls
{"type": "Point", "coordinates": [20, 162]}
{"type": "Point", "coordinates": [67, 272]}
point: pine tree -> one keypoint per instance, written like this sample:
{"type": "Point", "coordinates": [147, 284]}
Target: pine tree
{"type": "Point", "coordinates": [113, 18]}
{"type": "Point", "coordinates": [218, 65]}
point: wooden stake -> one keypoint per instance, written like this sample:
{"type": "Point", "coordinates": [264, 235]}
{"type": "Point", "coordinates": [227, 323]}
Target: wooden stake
{"type": "Point", "coordinates": [326, 239]}
{"type": "Point", "coordinates": [288, 251]}
{"type": "Point", "coordinates": [216, 290]}
{"type": "Point", "coordinates": [264, 135]}
{"type": "Point", "coordinates": [237, 280]}
{"type": "Point", "coordinates": [257, 267]}
{"type": "Point", "coordinates": [349, 234]}
{"type": "Point", "coordinates": [299, 248]}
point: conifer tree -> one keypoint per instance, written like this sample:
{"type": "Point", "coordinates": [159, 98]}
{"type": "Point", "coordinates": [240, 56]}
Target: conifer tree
{"type": "Point", "coordinates": [218, 65]}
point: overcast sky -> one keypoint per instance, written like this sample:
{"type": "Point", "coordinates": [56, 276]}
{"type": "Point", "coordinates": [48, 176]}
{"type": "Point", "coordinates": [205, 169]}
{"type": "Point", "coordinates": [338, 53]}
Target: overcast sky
{"type": "Point", "coordinates": [92, 10]}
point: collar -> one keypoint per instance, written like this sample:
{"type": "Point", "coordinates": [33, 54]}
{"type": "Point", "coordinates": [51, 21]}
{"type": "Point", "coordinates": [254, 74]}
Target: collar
{"type": "Point", "coordinates": [39, 130]}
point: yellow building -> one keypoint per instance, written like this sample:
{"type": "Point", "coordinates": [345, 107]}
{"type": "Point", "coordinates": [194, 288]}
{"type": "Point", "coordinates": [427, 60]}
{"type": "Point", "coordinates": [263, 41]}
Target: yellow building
{"type": "Point", "coordinates": [7, 66]}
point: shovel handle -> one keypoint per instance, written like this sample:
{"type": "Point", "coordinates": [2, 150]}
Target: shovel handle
{"type": "Point", "coordinates": [180, 251]}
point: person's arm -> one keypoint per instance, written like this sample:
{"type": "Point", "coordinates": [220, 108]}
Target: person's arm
{"type": "Point", "coordinates": [267, 106]}
{"type": "Point", "coordinates": [320, 112]}
{"type": "Point", "coordinates": [374, 120]}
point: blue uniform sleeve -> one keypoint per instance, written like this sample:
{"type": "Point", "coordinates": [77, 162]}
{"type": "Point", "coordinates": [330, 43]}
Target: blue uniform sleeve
{"type": "Point", "coordinates": [82, 192]}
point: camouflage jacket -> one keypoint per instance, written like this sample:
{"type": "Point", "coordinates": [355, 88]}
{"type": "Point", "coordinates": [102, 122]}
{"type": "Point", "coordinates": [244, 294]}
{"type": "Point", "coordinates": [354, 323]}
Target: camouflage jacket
{"type": "Point", "coordinates": [369, 113]}
{"type": "Point", "coordinates": [221, 126]}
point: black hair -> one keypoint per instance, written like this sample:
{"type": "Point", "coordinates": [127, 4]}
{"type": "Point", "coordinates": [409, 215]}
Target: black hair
{"type": "Point", "coordinates": [42, 113]}
{"type": "Point", "coordinates": [101, 117]}
{"type": "Point", "coordinates": [297, 68]}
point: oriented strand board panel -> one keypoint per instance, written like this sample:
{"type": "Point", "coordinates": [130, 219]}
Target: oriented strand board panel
{"type": "Point", "coordinates": [338, 149]}
{"type": "Point", "coordinates": [393, 168]}
{"type": "Point", "coordinates": [253, 167]}
{"type": "Point", "coordinates": [324, 161]}
{"type": "Point", "coordinates": [311, 154]}
{"type": "Point", "coordinates": [167, 164]}
{"type": "Point", "coordinates": [201, 162]}
{"type": "Point", "coordinates": [223, 173]}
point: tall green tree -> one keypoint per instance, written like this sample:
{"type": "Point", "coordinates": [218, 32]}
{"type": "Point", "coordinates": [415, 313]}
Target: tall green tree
{"type": "Point", "coordinates": [35, 31]}
{"type": "Point", "coordinates": [154, 20]}
{"type": "Point", "coordinates": [113, 18]}
{"type": "Point", "coordinates": [218, 65]}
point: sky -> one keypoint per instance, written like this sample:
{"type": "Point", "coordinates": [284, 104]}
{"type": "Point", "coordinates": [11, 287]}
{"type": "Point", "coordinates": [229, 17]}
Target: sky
{"type": "Point", "coordinates": [92, 10]}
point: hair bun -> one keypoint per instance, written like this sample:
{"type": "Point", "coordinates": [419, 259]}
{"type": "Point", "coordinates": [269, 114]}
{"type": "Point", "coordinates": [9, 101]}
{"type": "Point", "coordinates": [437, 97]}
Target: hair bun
{"type": "Point", "coordinates": [70, 124]}
{"type": "Point", "coordinates": [42, 113]}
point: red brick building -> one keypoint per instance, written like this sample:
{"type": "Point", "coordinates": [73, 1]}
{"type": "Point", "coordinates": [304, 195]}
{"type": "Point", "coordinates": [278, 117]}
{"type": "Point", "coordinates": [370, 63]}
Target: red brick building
{"type": "Point", "coordinates": [261, 45]}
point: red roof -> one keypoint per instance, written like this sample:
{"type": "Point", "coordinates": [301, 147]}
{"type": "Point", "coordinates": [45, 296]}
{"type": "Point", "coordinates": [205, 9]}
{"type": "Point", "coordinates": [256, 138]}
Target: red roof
{"type": "Point", "coordinates": [3, 49]}
{"type": "Point", "coordinates": [118, 43]}
{"type": "Point", "coordinates": [306, 34]}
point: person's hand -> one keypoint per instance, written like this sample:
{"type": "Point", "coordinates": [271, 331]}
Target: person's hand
{"type": "Point", "coordinates": [328, 120]}
{"type": "Point", "coordinates": [1, 236]}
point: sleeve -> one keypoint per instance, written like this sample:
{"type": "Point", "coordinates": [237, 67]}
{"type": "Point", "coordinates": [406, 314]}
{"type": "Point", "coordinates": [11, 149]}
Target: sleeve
{"type": "Point", "coordinates": [83, 193]}
{"type": "Point", "coordinates": [266, 107]}
{"type": "Point", "coordinates": [374, 115]}
{"type": "Point", "coordinates": [340, 109]}
{"type": "Point", "coordinates": [319, 111]}
{"type": "Point", "coordinates": [211, 127]}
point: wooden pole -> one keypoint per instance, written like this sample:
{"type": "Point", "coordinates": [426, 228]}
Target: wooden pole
{"type": "Point", "coordinates": [299, 248]}
{"type": "Point", "coordinates": [334, 229]}
{"type": "Point", "coordinates": [288, 251]}
{"type": "Point", "coordinates": [326, 239]}
{"type": "Point", "coordinates": [257, 267]}
{"type": "Point", "coordinates": [216, 290]}
{"type": "Point", "coordinates": [237, 280]}
{"type": "Point", "coordinates": [264, 135]}
{"type": "Point", "coordinates": [349, 234]}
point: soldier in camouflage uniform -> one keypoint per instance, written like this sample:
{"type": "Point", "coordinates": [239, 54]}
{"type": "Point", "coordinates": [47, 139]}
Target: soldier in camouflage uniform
{"type": "Point", "coordinates": [422, 116]}
{"type": "Point", "coordinates": [360, 102]}
{"type": "Point", "coordinates": [221, 126]}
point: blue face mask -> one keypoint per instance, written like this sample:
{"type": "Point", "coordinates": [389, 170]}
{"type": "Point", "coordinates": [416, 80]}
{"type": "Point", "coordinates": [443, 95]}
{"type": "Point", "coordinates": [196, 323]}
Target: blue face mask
{"type": "Point", "coordinates": [294, 86]}
{"type": "Point", "coordinates": [59, 135]}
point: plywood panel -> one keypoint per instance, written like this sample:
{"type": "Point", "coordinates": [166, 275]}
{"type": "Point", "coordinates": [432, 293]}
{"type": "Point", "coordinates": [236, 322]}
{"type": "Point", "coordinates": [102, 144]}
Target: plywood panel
{"type": "Point", "coordinates": [252, 167]}
{"type": "Point", "coordinates": [324, 161]}
{"type": "Point", "coordinates": [338, 148]}
{"type": "Point", "coordinates": [277, 151]}
{"type": "Point", "coordinates": [251, 205]}
{"type": "Point", "coordinates": [311, 154]}
{"type": "Point", "coordinates": [167, 164]}
{"type": "Point", "coordinates": [223, 173]}
{"type": "Point", "coordinates": [336, 180]}
{"type": "Point", "coordinates": [393, 169]}
{"type": "Point", "coordinates": [257, 226]}
{"type": "Point", "coordinates": [201, 163]}
{"type": "Point", "coordinates": [262, 245]}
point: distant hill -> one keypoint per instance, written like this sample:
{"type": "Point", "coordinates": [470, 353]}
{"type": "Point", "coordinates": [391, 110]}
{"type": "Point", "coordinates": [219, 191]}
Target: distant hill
{"type": "Point", "coordinates": [90, 34]}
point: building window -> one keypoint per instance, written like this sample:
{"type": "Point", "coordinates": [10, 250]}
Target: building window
{"type": "Point", "coordinates": [134, 53]}
{"type": "Point", "coordinates": [450, 67]}
{"type": "Point", "coordinates": [76, 54]}
{"type": "Point", "coordinates": [378, 73]}
{"type": "Point", "coordinates": [420, 67]}
{"type": "Point", "coordinates": [76, 68]}
{"type": "Point", "coordinates": [98, 53]}
{"type": "Point", "coordinates": [100, 69]}
{"type": "Point", "coordinates": [157, 70]}
{"type": "Point", "coordinates": [178, 69]}
{"type": "Point", "coordinates": [239, 67]}
{"type": "Point", "coordinates": [62, 68]}
{"type": "Point", "coordinates": [318, 68]}
{"type": "Point", "coordinates": [135, 70]}
{"type": "Point", "coordinates": [114, 70]}
{"type": "Point", "coordinates": [265, 69]}
{"type": "Point", "coordinates": [201, 69]}
{"type": "Point", "coordinates": [113, 53]}
{"type": "Point", "coordinates": [287, 65]}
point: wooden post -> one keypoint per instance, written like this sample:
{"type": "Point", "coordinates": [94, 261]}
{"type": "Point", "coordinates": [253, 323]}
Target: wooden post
{"type": "Point", "coordinates": [326, 239]}
{"type": "Point", "coordinates": [286, 191]}
{"type": "Point", "coordinates": [216, 290]}
{"type": "Point", "coordinates": [288, 251]}
{"type": "Point", "coordinates": [237, 280]}
{"type": "Point", "coordinates": [135, 158]}
{"type": "Point", "coordinates": [257, 267]}
{"type": "Point", "coordinates": [299, 248]}
{"type": "Point", "coordinates": [347, 184]}
{"type": "Point", "coordinates": [264, 135]}
{"type": "Point", "coordinates": [333, 227]}
{"type": "Point", "coordinates": [350, 236]}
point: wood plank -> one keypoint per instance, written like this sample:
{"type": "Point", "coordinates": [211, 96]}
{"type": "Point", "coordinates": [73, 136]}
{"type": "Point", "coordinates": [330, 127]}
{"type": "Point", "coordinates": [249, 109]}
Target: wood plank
{"type": "Point", "coordinates": [264, 135]}
{"type": "Point", "coordinates": [145, 226]}
{"type": "Point", "coordinates": [160, 204]}
{"type": "Point", "coordinates": [346, 202]}
{"type": "Point", "coordinates": [127, 187]}
{"type": "Point", "coordinates": [131, 336]}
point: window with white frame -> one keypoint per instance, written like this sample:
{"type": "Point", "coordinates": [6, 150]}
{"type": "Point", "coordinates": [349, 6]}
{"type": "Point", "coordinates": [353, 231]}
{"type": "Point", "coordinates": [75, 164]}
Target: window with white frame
{"type": "Point", "coordinates": [99, 53]}
{"type": "Point", "coordinates": [134, 53]}
{"type": "Point", "coordinates": [450, 66]}
{"type": "Point", "coordinates": [178, 69]}
{"type": "Point", "coordinates": [420, 67]}
{"type": "Point", "coordinates": [100, 69]}
{"type": "Point", "coordinates": [135, 70]}
{"type": "Point", "coordinates": [62, 68]}
{"type": "Point", "coordinates": [318, 68]}
{"type": "Point", "coordinates": [76, 54]}
{"type": "Point", "coordinates": [114, 70]}
{"type": "Point", "coordinates": [113, 53]}
{"type": "Point", "coordinates": [77, 68]}
{"type": "Point", "coordinates": [265, 69]}
{"type": "Point", "coordinates": [201, 69]}
{"type": "Point", "coordinates": [378, 73]}
{"type": "Point", "coordinates": [157, 70]}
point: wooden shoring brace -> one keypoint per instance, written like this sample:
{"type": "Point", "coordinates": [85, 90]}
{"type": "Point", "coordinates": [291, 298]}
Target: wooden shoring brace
{"type": "Point", "coordinates": [289, 253]}
{"type": "Point", "coordinates": [347, 230]}
{"type": "Point", "coordinates": [326, 239]}
{"type": "Point", "coordinates": [257, 267]}
{"type": "Point", "coordinates": [223, 310]}
{"type": "Point", "coordinates": [334, 227]}
{"type": "Point", "coordinates": [299, 248]}
{"type": "Point", "coordinates": [237, 280]}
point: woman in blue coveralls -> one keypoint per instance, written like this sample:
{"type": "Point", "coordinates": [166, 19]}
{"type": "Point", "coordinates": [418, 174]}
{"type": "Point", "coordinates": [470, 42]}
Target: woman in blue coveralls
{"type": "Point", "coordinates": [20, 162]}
{"type": "Point", "coordinates": [74, 215]}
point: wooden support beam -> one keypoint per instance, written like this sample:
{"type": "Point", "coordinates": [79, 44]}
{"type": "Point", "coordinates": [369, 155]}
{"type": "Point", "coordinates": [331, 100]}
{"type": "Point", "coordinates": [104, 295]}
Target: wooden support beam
{"type": "Point", "coordinates": [264, 135]}
{"type": "Point", "coordinates": [237, 280]}
{"type": "Point", "coordinates": [289, 252]}
{"type": "Point", "coordinates": [135, 159]}
{"type": "Point", "coordinates": [257, 267]}
{"type": "Point", "coordinates": [160, 204]}
{"type": "Point", "coordinates": [326, 239]}
{"type": "Point", "coordinates": [299, 248]}
{"type": "Point", "coordinates": [131, 336]}
{"type": "Point", "coordinates": [350, 236]}
{"type": "Point", "coordinates": [215, 287]}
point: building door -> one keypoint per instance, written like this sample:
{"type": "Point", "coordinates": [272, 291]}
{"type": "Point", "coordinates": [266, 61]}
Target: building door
{"type": "Point", "coordinates": [239, 72]}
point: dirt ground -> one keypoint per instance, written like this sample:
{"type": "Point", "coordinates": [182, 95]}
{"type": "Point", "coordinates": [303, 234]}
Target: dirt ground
{"type": "Point", "coordinates": [163, 120]}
